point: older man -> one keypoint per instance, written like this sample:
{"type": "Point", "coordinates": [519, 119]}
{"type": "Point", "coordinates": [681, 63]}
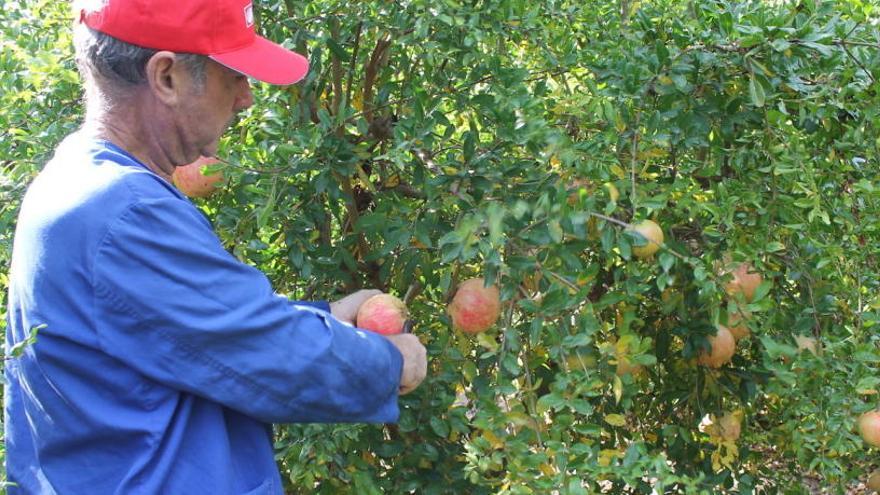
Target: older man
{"type": "Point", "coordinates": [161, 360]}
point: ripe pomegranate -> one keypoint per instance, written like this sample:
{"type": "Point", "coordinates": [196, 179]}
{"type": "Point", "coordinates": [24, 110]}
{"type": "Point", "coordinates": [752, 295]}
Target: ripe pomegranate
{"type": "Point", "coordinates": [383, 313]}
{"type": "Point", "coordinates": [625, 366]}
{"type": "Point", "coordinates": [869, 427]}
{"type": "Point", "coordinates": [807, 344]}
{"type": "Point", "coordinates": [474, 307]}
{"type": "Point", "coordinates": [191, 180]}
{"type": "Point", "coordinates": [723, 347]}
{"type": "Point", "coordinates": [873, 482]}
{"type": "Point", "coordinates": [730, 425]}
{"type": "Point", "coordinates": [654, 235]}
{"type": "Point", "coordinates": [727, 426]}
{"type": "Point", "coordinates": [745, 281]}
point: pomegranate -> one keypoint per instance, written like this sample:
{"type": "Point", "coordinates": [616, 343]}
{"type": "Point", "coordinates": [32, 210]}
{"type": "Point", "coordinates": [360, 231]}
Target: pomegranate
{"type": "Point", "coordinates": [383, 313]}
{"type": "Point", "coordinates": [191, 180]}
{"type": "Point", "coordinates": [652, 233]}
{"type": "Point", "coordinates": [723, 347]}
{"type": "Point", "coordinates": [474, 307]}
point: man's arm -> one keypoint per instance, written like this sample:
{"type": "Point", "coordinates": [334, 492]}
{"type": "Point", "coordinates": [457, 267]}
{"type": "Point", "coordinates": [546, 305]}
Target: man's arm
{"type": "Point", "coordinates": [415, 364]}
{"type": "Point", "coordinates": [173, 304]}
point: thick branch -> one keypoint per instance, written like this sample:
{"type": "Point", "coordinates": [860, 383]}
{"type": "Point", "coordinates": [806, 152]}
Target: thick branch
{"type": "Point", "coordinates": [377, 58]}
{"type": "Point", "coordinates": [336, 68]}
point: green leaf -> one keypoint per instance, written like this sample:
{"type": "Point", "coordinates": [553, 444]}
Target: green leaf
{"type": "Point", "coordinates": [824, 50]}
{"type": "Point", "coordinates": [267, 210]}
{"type": "Point", "coordinates": [451, 251]}
{"type": "Point", "coordinates": [555, 230]}
{"type": "Point", "coordinates": [775, 349]}
{"type": "Point", "coordinates": [645, 359]}
{"type": "Point", "coordinates": [623, 243]}
{"type": "Point", "coordinates": [774, 247]}
{"type": "Point", "coordinates": [440, 427]}
{"type": "Point", "coordinates": [337, 50]}
{"type": "Point", "coordinates": [451, 237]}
{"type": "Point", "coordinates": [576, 487]}
{"type": "Point", "coordinates": [18, 349]}
{"type": "Point", "coordinates": [496, 213]}
{"type": "Point", "coordinates": [762, 291]}
{"type": "Point", "coordinates": [867, 385]}
{"type": "Point", "coordinates": [615, 419]}
{"type": "Point", "coordinates": [469, 146]}
{"type": "Point", "coordinates": [667, 261]}
{"type": "Point", "coordinates": [553, 402]}
{"type": "Point", "coordinates": [756, 91]}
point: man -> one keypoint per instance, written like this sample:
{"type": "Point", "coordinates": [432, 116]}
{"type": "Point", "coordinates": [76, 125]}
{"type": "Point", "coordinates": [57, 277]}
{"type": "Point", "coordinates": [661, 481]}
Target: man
{"type": "Point", "coordinates": [161, 360]}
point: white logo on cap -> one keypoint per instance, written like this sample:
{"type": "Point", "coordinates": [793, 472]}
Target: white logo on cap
{"type": "Point", "coordinates": [249, 14]}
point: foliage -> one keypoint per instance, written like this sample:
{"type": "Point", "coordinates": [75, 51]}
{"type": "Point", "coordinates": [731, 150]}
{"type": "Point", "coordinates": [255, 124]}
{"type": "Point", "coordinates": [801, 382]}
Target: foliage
{"type": "Point", "coordinates": [436, 141]}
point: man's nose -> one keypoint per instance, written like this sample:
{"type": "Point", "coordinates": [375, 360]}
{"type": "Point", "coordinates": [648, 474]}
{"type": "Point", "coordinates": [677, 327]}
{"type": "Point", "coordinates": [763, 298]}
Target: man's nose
{"type": "Point", "coordinates": [245, 97]}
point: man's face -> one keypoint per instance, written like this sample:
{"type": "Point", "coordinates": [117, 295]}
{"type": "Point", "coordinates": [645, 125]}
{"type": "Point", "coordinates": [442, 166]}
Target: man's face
{"type": "Point", "coordinates": [210, 108]}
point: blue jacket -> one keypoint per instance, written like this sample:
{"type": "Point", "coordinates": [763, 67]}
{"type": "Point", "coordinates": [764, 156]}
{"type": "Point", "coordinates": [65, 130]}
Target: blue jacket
{"type": "Point", "coordinates": [162, 360]}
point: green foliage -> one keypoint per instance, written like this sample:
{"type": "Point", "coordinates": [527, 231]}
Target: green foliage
{"type": "Point", "coordinates": [437, 141]}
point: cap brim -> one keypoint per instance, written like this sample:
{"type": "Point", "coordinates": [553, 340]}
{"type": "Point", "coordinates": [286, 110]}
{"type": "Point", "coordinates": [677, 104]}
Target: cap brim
{"type": "Point", "coordinates": [267, 62]}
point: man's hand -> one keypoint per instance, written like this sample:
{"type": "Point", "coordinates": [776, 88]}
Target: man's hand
{"type": "Point", "coordinates": [346, 309]}
{"type": "Point", "coordinates": [415, 361]}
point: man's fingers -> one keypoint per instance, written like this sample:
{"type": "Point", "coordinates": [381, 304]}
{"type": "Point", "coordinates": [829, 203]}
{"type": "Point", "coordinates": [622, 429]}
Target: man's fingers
{"type": "Point", "coordinates": [415, 362]}
{"type": "Point", "coordinates": [346, 308]}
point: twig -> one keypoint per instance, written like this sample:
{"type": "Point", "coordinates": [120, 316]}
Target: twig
{"type": "Point", "coordinates": [633, 155]}
{"type": "Point", "coordinates": [351, 67]}
{"type": "Point", "coordinates": [858, 62]}
{"type": "Point", "coordinates": [857, 43]}
{"type": "Point", "coordinates": [662, 245]}
{"type": "Point", "coordinates": [533, 403]}
{"type": "Point", "coordinates": [406, 190]}
{"type": "Point", "coordinates": [414, 289]}
{"type": "Point", "coordinates": [818, 328]}
{"type": "Point", "coordinates": [563, 280]}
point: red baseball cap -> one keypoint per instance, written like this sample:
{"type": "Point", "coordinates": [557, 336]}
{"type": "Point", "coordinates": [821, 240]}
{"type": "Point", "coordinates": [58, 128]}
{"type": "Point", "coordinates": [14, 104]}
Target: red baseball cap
{"type": "Point", "coordinates": [221, 29]}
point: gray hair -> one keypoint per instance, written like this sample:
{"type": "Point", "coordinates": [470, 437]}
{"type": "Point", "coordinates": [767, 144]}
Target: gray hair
{"type": "Point", "coordinates": [122, 65]}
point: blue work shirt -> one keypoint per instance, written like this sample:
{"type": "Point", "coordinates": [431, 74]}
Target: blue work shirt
{"type": "Point", "coordinates": [162, 360]}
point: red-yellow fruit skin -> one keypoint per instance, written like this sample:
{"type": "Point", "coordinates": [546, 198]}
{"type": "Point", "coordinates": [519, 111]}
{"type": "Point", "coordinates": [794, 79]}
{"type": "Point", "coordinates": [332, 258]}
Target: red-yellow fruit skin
{"type": "Point", "coordinates": [627, 367]}
{"type": "Point", "coordinates": [730, 426]}
{"type": "Point", "coordinates": [383, 313]}
{"type": "Point", "coordinates": [723, 348]}
{"type": "Point", "coordinates": [869, 428]}
{"type": "Point", "coordinates": [807, 344]}
{"type": "Point", "coordinates": [474, 308]}
{"type": "Point", "coordinates": [654, 235]}
{"type": "Point", "coordinates": [874, 481]}
{"type": "Point", "coordinates": [745, 281]}
{"type": "Point", "coordinates": [727, 427]}
{"type": "Point", "coordinates": [192, 182]}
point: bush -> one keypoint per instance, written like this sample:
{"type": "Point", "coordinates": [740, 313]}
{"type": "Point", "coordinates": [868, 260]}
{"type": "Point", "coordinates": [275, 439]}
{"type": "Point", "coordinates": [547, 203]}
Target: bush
{"type": "Point", "coordinates": [434, 142]}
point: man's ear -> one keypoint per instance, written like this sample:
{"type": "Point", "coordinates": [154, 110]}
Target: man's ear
{"type": "Point", "coordinates": [166, 77]}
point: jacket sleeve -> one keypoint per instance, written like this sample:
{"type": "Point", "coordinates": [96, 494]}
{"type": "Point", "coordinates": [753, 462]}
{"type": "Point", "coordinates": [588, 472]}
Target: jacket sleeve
{"type": "Point", "coordinates": [173, 304]}
{"type": "Point", "coordinates": [322, 305]}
